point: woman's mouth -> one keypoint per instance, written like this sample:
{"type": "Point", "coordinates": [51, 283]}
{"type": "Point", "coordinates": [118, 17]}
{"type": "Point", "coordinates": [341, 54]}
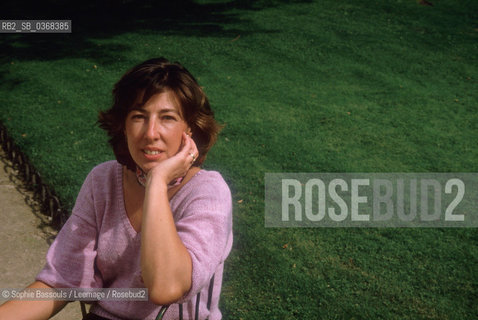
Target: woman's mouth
{"type": "Point", "coordinates": [152, 152]}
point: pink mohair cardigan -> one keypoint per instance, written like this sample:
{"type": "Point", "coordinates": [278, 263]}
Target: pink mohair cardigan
{"type": "Point", "coordinates": [98, 247]}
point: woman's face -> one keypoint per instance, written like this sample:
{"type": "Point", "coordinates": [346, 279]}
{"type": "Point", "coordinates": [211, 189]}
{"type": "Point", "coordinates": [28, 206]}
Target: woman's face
{"type": "Point", "coordinates": [154, 130]}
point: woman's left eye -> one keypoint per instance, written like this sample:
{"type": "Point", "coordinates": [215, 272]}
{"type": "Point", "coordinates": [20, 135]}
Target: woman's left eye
{"type": "Point", "coordinates": [169, 118]}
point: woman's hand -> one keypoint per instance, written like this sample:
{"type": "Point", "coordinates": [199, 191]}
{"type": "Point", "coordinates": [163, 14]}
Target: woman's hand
{"type": "Point", "coordinates": [177, 166]}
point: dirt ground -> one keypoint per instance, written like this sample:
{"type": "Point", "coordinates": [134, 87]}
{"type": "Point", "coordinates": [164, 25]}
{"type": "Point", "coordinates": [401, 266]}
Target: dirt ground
{"type": "Point", "coordinates": [24, 237]}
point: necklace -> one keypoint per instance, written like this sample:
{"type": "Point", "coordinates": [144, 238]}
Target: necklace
{"type": "Point", "coordinates": [140, 176]}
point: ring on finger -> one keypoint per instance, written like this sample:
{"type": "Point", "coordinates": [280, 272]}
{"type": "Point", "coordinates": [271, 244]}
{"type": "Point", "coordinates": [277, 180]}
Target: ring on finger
{"type": "Point", "coordinates": [192, 156]}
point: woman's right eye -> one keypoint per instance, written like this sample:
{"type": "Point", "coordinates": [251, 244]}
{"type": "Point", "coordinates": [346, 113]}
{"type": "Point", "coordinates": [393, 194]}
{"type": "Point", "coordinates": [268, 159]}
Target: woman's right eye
{"type": "Point", "coordinates": [137, 116]}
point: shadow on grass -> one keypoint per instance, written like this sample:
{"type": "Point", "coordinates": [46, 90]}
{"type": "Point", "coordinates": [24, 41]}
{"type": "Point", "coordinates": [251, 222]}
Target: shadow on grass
{"type": "Point", "coordinates": [106, 19]}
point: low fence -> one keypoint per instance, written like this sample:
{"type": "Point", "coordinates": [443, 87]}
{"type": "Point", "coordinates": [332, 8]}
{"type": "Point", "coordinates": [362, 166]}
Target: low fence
{"type": "Point", "coordinates": [50, 204]}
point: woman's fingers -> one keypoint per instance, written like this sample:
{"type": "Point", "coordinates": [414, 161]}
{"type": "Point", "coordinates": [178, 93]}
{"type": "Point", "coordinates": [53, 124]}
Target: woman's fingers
{"type": "Point", "coordinates": [189, 150]}
{"type": "Point", "coordinates": [193, 157]}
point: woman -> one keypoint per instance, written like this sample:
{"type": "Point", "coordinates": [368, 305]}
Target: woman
{"type": "Point", "coordinates": [151, 219]}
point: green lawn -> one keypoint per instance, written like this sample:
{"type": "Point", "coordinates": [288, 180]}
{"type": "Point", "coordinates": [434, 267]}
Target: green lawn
{"type": "Point", "coordinates": [302, 86]}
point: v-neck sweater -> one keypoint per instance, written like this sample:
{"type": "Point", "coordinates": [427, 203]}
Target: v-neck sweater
{"type": "Point", "coordinates": [99, 248]}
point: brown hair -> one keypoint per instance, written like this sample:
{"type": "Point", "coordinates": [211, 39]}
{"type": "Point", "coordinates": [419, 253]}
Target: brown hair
{"type": "Point", "coordinates": [140, 84]}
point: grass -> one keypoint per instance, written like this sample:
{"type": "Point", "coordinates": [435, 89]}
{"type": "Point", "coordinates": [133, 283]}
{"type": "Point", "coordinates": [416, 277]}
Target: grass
{"type": "Point", "coordinates": [302, 86]}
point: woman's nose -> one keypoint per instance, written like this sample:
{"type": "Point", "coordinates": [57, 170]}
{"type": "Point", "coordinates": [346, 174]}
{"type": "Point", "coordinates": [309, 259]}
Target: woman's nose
{"type": "Point", "coordinates": [152, 131]}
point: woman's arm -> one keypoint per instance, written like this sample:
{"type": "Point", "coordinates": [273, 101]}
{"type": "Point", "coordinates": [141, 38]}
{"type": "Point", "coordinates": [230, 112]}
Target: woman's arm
{"type": "Point", "coordinates": [73, 247]}
{"type": "Point", "coordinates": [31, 310]}
{"type": "Point", "coordinates": [165, 262]}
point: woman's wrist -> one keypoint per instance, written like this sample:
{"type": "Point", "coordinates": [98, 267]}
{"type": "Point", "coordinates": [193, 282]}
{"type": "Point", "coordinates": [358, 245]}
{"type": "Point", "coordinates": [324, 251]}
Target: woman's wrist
{"type": "Point", "coordinates": [158, 184]}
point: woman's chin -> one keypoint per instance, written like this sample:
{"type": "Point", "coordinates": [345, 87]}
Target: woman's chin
{"type": "Point", "coordinates": [146, 167]}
